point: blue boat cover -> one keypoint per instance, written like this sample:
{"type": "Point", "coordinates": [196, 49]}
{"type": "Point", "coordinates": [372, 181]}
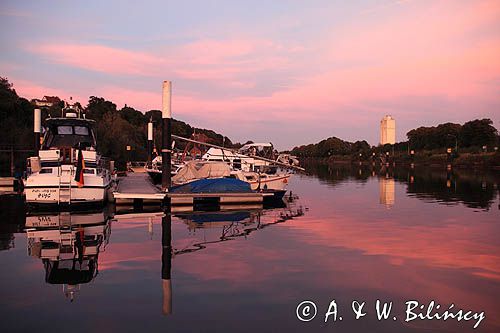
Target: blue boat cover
{"type": "Point", "coordinates": [213, 185]}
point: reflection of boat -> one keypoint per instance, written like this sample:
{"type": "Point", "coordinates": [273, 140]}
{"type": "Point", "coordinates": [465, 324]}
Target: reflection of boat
{"type": "Point", "coordinates": [69, 246]}
{"type": "Point", "coordinates": [68, 142]}
{"type": "Point", "coordinates": [223, 226]}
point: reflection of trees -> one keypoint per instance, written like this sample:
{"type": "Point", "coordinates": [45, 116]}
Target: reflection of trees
{"type": "Point", "coordinates": [336, 174]}
{"type": "Point", "coordinates": [11, 220]}
{"type": "Point", "coordinates": [475, 189]}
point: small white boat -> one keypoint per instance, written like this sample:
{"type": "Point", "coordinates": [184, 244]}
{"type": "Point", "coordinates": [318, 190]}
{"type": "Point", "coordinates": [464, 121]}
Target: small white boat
{"type": "Point", "coordinates": [263, 181]}
{"type": "Point", "coordinates": [195, 170]}
{"type": "Point", "coordinates": [53, 176]}
{"type": "Point", "coordinates": [261, 174]}
{"type": "Point", "coordinates": [155, 169]}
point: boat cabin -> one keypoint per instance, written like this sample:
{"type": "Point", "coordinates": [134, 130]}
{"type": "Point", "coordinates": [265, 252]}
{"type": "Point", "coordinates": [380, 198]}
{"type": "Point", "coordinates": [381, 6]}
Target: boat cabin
{"type": "Point", "coordinates": [67, 134]}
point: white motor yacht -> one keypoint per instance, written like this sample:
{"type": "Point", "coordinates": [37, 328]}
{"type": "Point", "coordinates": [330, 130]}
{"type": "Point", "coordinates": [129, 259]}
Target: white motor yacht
{"type": "Point", "coordinates": [52, 175]}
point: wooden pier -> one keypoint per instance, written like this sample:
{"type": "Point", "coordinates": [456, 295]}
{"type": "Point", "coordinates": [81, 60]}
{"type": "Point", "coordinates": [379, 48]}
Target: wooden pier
{"type": "Point", "coordinates": [136, 189]}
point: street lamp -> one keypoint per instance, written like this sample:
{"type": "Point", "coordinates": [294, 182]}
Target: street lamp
{"type": "Point", "coordinates": [456, 141]}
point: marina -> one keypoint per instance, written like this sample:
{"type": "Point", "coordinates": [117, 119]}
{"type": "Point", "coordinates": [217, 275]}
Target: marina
{"type": "Point", "coordinates": [197, 220]}
{"type": "Point", "coordinates": [250, 166]}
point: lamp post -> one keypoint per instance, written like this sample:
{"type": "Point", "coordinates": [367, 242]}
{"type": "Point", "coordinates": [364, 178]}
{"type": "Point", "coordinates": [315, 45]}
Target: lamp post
{"type": "Point", "coordinates": [129, 157]}
{"type": "Point", "coordinates": [456, 141]}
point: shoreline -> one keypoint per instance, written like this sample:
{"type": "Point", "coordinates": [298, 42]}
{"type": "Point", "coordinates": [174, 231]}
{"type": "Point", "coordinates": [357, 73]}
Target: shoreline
{"type": "Point", "coordinates": [486, 161]}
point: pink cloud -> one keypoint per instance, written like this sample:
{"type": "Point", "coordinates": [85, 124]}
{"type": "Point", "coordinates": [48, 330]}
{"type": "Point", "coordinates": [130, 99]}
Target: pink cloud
{"type": "Point", "coordinates": [414, 54]}
{"type": "Point", "coordinates": [29, 89]}
{"type": "Point", "coordinates": [100, 58]}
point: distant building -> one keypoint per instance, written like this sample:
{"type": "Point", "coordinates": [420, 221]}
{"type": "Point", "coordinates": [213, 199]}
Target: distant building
{"type": "Point", "coordinates": [387, 130]}
{"type": "Point", "coordinates": [46, 101]}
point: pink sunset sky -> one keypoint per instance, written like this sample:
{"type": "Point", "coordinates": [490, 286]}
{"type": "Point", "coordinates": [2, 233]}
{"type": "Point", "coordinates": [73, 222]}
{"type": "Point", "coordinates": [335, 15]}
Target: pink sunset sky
{"type": "Point", "coordinates": [289, 72]}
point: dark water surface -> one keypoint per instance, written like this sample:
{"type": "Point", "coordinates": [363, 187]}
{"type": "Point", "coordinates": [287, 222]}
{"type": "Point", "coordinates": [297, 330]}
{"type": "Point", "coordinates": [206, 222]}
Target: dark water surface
{"type": "Point", "coordinates": [352, 234]}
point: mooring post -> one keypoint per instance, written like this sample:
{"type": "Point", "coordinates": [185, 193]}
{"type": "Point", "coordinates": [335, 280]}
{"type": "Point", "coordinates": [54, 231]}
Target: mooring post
{"type": "Point", "coordinates": [166, 142]}
{"type": "Point", "coordinates": [12, 163]}
{"type": "Point", "coordinates": [150, 141]}
{"type": "Point", "coordinates": [166, 260]}
{"type": "Point", "coordinates": [37, 125]}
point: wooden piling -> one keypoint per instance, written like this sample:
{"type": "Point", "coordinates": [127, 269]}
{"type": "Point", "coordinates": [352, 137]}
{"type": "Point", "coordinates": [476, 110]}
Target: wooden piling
{"type": "Point", "coordinates": [166, 150]}
{"type": "Point", "coordinates": [37, 126]}
{"type": "Point", "coordinates": [150, 141]}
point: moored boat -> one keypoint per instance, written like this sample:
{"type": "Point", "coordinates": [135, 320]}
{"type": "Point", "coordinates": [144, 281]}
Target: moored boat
{"type": "Point", "coordinates": [68, 169]}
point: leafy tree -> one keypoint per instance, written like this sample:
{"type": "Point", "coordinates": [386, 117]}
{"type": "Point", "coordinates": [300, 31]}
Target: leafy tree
{"type": "Point", "coordinates": [478, 133]}
{"type": "Point", "coordinates": [98, 107]}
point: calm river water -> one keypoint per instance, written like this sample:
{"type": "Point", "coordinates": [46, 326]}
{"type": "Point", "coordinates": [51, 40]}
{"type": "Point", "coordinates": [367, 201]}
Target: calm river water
{"type": "Point", "coordinates": [347, 234]}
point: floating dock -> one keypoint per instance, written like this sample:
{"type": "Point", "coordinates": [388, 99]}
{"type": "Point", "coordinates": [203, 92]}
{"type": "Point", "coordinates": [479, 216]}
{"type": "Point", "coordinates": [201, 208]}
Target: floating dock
{"type": "Point", "coordinates": [8, 186]}
{"type": "Point", "coordinates": [136, 189]}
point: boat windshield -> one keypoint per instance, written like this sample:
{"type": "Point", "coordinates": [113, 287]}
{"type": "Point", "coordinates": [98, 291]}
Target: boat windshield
{"type": "Point", "coordinates": [64, 130]}
{"type": "Point", "coordinates": [81, 130]}
{"type": "Point", "coordinates": [68, 135]}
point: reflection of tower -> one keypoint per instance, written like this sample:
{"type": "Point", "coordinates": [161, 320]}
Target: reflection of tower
{"type": "Point", "coordinates": [166, 259]}
{"type": "Point", "coordinates": [387, 191]}
{"type": "Point", "coordinates": [387, 130]}
{"type": "Point", "coordinates": [150, 227]}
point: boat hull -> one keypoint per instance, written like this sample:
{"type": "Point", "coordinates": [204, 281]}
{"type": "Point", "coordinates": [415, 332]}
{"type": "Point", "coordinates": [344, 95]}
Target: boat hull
{"type": "Point", "coordinates": [278, 183]}
{"type": "Point", "coordinates": [50, 195]}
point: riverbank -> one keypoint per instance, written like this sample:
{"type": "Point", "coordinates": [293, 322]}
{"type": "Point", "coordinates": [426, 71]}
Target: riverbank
{"type": "Point", "coordinates": [426, 158]}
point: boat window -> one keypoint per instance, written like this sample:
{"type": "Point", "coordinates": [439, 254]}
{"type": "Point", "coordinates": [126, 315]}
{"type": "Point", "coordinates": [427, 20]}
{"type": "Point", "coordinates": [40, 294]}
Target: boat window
{"type": "Point", "coordinates": [237, 163]}
{"type": "Point", "coordinates": [88, 171]}
{"type": "Point", "coordinates": [81, 130]}
{"type": "Point", "coordinates": [64, 130]}
{"type": "Point", "coordinates": [46, 170]}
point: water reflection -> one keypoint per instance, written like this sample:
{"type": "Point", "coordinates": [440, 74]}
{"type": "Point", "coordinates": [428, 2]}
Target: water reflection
{"type": "Point", "coordinates": [166, 261]}
{"type": "Point", "coordinates": [226, 226]}
{"type": "Point", "coordinates": [68, 245]}
{"type": "Point", "coordinates": [205, 229]}
{"type": "Point", "coordinates": [246, 269]}
{"type": "Point", "coordinates": [12, 213]}
{"type": "Point", "coordinates": [474, 188]}
{"type": "Point", "coordinates": [387, 191]}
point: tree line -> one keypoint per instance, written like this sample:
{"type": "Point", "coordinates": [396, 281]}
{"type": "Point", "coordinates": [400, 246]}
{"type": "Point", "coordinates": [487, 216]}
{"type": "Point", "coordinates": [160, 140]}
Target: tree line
{"type": "Point", "coordinates": [115, 128]}
{"type": "Point", "coordinates": [471, 136]}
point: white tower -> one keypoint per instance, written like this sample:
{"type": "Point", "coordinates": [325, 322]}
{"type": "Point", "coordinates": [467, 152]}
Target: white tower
{"type": "Point", "coordinates": [387, 130]}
